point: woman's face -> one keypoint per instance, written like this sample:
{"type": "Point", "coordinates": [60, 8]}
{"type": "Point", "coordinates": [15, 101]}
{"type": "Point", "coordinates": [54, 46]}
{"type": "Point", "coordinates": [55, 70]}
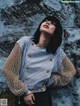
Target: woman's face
{"type": "Point", "coordinates": [48, 27]}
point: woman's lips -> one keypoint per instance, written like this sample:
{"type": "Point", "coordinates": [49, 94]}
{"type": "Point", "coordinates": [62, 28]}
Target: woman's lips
{"type": "Point", "coordinates": [46, 26]}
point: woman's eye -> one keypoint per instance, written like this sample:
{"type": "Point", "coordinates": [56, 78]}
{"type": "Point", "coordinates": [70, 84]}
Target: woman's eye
{"type": "Point", "coordinates": [53, 23]}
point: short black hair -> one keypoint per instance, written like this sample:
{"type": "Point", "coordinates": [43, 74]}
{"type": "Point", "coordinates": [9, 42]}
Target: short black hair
{"type": "Point", "coordinates": [56, 39]}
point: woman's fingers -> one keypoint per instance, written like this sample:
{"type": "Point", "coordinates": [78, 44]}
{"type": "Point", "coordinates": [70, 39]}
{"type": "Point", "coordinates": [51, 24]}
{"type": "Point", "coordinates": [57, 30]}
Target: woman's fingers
{"type": "Point", "coordinates": [28, 102]}
{"type": "Point", "coordinates": [33, 97]}
{"type": "Point", "coordinates": [32, 101]}
{"type": "Point", "coordinates": [29, 99]}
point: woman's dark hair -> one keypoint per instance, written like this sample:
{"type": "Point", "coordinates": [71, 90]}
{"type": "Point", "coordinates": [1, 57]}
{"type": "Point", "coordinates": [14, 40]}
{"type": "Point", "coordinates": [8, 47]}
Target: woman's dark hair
{"type": "Point", "coordinates": [56, 39]}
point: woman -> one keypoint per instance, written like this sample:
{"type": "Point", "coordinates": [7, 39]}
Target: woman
{"type": "Point", "coordinates": [37, 63]}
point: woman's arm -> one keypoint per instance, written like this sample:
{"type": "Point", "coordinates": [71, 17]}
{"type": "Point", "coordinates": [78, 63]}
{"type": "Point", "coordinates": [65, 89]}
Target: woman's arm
{"type": "Point", "coordinates": [65, 74]}
{"type": "Point", "coordinates": [11, 71]}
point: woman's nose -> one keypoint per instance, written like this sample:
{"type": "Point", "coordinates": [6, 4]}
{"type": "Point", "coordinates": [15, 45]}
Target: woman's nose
{"type": "Point", "coordinates": [48, 22]}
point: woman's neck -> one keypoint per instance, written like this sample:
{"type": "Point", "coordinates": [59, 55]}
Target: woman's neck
{"type": "Point", "coordinates": [40, 45]}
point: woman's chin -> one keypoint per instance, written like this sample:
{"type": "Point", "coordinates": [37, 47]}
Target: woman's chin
{"type": "Point", "coordinates": [45, 31]}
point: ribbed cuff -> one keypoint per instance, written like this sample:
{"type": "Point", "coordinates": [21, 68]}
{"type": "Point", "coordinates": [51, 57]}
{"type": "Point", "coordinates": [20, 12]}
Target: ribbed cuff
{"type": "Point", "coordinates": [26, 91]}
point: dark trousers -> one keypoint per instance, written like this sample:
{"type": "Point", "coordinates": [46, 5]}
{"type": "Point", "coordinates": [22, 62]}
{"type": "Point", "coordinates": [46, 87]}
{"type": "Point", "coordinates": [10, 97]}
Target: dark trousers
{"type": "Point", "coordinates": [41, 99]}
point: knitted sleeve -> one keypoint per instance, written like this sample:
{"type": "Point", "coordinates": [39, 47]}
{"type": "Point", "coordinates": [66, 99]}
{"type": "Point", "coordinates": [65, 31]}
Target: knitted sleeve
{"type": "Point", "coordinates": [65, 73]}
{"type": "Point", "coordinates": [11, 71]}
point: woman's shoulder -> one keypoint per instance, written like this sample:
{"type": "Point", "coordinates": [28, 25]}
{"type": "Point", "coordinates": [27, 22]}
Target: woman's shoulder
{"type": "Point", "coordinates": [60, 52]}
{"type": "Point", "coordinates": [23, 40]}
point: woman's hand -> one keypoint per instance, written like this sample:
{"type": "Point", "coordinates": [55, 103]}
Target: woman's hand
{"type": "Point", "coordinates": [29, 98]}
